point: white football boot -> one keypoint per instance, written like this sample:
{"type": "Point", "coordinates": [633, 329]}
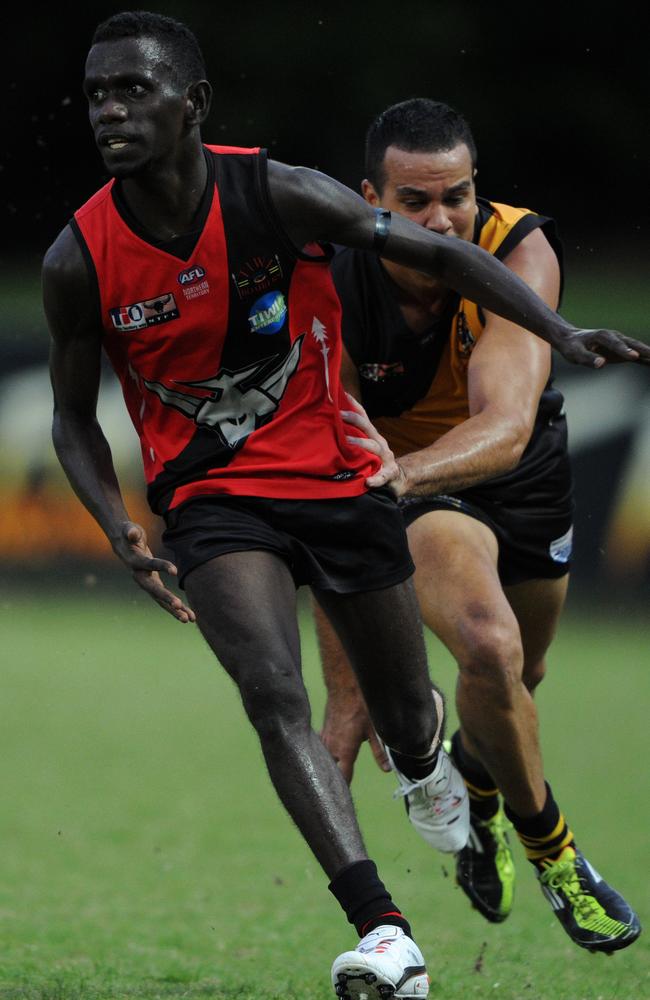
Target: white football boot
{"type": "Point", "coordinates": [438, 805]}
{"type": "Point", "coordinates": [385, 964]}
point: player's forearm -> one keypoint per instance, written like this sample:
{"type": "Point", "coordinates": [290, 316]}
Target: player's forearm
{"type": "Point", "coordinates": [85, 456]}
{"type": "Point", "coordinates": [469, 454]}
{"type": "Point", "coordinates": [498, 289]}
{"type": "Point", "coordinates": [479, 277]}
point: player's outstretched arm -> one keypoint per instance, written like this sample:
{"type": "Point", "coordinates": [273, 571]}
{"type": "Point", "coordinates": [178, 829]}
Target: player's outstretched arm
{"type": "Point", "coordinates": [81, 447]}
{"type": "Point", "coordinates": [313, 206]}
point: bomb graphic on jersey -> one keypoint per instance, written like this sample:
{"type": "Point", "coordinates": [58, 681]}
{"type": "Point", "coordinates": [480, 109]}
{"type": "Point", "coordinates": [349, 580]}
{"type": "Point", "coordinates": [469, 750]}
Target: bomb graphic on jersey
{"type": "Point", "coordinates": [239, 401]}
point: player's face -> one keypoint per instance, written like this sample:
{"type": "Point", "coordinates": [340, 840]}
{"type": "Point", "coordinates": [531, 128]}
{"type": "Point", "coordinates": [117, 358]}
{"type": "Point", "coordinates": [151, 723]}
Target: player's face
{"type": "Point", "coordinates": [436, 190]}
{"type": "Point", "coordinates": [136, 108]}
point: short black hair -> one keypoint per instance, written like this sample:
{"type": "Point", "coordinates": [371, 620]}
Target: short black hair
{"type": "Point", "coordinates": [418, 125]}
{"type": "Point", "coordinates": [186, 57]}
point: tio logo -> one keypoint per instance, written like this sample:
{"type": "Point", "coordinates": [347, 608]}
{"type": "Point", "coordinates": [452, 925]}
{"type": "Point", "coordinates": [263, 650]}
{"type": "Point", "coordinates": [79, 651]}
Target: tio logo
{"type": "Point", "coordinates": [128, 316]}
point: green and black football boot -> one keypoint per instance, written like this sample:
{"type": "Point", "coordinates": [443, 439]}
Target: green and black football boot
{"type": "Point", "coordinates": [485, 869]}
{"type": "Point", "coordinates": [593, 914]}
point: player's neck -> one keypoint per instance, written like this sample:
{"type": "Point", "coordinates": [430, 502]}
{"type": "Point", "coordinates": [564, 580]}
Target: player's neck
{"type": "Point", "coordinates": [165, 197]}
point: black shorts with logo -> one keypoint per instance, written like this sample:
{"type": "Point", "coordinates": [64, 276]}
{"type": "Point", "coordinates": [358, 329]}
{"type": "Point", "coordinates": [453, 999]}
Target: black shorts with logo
{"type": "Point", "coordinates": [529, 510]}
{"type": "Point", "coordinates": [533, 545]}
{"type": "Point", "coordinates": [348, 545]}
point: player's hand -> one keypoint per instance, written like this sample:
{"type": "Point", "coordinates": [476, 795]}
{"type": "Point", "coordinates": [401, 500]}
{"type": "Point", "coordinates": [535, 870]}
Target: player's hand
{"type": "Point", "coordinates": [131, 547]}
{"type": "Point", "coordinates": [391, 473]}
{"type": "Point", "coordinates": [345, 727]}
{"type": "Point", "coordinates": [600, 347]}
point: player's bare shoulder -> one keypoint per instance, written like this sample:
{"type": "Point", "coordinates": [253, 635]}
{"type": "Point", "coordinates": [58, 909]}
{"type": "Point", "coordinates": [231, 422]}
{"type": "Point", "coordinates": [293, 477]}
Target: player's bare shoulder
{"type": "Point", "coordinates": [533, 250]}
{"type": "Point", "coordinates": [69, 293]}
{"type": "Point", "coordinates": [314, 206]}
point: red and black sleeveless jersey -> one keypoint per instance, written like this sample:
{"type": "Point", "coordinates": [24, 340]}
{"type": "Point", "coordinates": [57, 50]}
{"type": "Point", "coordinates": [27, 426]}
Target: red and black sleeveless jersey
{"type": "Point", "coordinates": [229, 354]}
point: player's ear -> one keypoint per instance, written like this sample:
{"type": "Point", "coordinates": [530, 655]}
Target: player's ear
{"type": "Point", "coordinates": [198, 100]}
{"type": "Point", "coordinates": [369, 193]}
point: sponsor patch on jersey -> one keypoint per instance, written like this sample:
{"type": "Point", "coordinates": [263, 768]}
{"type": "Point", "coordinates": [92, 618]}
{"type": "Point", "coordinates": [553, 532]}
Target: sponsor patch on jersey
{"type": "Point", "coordinates": [149, 312]}
{"type": "Point", "coordinates": [194, 282]}
{"type": "Point", "coordinates": [466, 339]}
{"type": "Point", "coordinates": [560, 549]}
{"type": "Point", "coordinates": [256, 275]}
{"type": "Point", "coordinates": [378, 372]}
{"type": "Point", "coordinates": [341, 477]}
{"type": "Point", "coordinates": [191, 275]}
{"type": "Point", "coordinates": [267, 314]}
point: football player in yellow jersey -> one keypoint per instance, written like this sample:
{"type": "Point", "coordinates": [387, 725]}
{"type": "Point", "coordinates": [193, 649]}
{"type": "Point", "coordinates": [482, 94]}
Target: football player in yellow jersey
{"type": "Point", "coordinates": [465, 400]}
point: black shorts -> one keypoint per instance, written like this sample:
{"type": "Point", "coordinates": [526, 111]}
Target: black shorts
{"type": "Point", "coordinates": [534, 542]}
{"type": "Point", "coordinates": [348, 545]}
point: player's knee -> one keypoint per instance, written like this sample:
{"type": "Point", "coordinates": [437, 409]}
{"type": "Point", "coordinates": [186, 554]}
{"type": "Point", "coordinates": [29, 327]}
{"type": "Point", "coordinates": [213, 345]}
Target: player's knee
{"type": "Point", "coordinates": [493, 656]}
{"type": "Point", "coordinates": [408, 728]}
{"type": "Point", "coordinates": [276, 702]}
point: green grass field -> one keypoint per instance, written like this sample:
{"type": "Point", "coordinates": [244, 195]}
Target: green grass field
{"type": "Point", "coordinates": [143, 853]}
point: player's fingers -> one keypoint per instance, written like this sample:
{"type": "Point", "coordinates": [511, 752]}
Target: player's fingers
{"type": "Point", "coordinates": [370, 444]}
{"type": "Point", "coordinates": [612, 343]}
{"type": "Point", "coordinates": [343, 761]}
{"type": "Point", "coordinates": [359, 420]}
{"type": "Point", "coordinates": [578, 354]}
{"type": "Point", "coordinates": [641, 349]}
{"type": "Point", "coordinates": [378, 751]}
{"type": "Point", "coordinates": [355, 404]}
{"type": "Point", "coordinates": [170, 602]}
{"type": "Point", "coordinates": [346, 767]}
{"type": "Point", "coordinates": [378, 480]}
{"type": "Point", "coordinates": [149, 564]}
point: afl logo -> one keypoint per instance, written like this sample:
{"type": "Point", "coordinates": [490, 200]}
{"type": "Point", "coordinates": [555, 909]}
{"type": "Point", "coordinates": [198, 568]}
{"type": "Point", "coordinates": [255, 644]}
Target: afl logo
{"type": "Point", "coordinates": [191, 274]}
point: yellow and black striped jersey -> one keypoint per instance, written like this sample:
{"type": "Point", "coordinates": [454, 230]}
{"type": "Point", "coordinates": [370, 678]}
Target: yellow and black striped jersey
{"type": "Point", "coordinates": [414, 385]}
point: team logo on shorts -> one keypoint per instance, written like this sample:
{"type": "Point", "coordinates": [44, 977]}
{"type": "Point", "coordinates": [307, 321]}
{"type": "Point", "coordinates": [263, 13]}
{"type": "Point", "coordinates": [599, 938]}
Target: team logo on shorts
{"type": "Point", "coordinates": [267, 314]}
{"type": "Point", "coordinates": [560, 549]}
{"type": "Point", "coordinates": [466, 339]}
{"type": "Point", "coordinates": [256, 275]}
{"type": "Point", "coordinates": [149, 312]}
{"type": "Point", "coordinates": [378, 372]}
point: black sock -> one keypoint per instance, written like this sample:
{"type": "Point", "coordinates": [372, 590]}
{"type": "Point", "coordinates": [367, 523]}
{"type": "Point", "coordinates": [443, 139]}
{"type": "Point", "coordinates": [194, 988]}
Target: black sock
{"type": "Point", "coordinates": [483, 793]}
{"type": "Point", "coordinates": [365, 899]}
{"type": "Point", "coordinates": [415, 768]}
{"type": "Point", "coordinates": [545, 835]}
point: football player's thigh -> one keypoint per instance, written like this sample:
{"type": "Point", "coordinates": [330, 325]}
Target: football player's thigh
{"type": "Point", "coordinates": [456, 578]}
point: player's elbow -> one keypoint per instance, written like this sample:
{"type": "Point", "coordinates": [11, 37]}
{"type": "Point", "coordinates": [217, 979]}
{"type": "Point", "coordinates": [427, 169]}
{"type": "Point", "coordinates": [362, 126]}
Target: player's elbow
{"type": "Point", "coordinates": [516, 438]}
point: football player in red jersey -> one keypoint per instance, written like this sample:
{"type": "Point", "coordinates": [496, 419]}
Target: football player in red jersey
{"type": "Point", "coordinates": [237, 400]}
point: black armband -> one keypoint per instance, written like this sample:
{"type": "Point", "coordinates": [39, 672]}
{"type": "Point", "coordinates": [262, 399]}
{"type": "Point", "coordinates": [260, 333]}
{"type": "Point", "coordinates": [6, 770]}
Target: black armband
{"type": "Point", "coordinates": [382, 229]}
